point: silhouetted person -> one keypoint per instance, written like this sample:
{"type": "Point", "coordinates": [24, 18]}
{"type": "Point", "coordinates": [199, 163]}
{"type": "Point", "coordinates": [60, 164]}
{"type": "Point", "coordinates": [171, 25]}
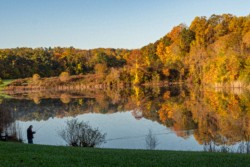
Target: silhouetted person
{"type": "Point", "coordinates": [30, 134]}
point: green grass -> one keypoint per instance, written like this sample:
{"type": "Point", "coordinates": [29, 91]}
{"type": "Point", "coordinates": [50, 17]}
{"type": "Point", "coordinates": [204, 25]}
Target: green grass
{"type": "Point", "coordinates": [15, 154]}
{"type": "Point", "coordinates": [5, 83]}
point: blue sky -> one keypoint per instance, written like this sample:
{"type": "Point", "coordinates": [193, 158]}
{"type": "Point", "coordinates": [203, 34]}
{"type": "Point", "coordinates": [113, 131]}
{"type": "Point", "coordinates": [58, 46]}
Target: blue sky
{"type": "Point", "coordinates": [88, 24]}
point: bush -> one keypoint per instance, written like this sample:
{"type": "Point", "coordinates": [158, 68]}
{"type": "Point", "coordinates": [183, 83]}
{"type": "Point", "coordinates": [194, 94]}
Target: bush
{"type": "Point", "coordinates": [100, 68]}
{"type": "Point", "coordinates": [64, 77]}
{"type": "Point", "coordinates": [65, 98]}
{"type": "Point", "coordinates": [80, 134]}
{"type": "Point", "coordinates": [36, 77]}
{"type": "Point", "coordinates": [151, 140]}
{"type": "Point", "coordinates": [1, 82]}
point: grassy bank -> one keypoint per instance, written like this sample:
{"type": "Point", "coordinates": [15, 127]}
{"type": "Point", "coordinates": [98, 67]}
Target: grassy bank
{"type": "Point", "coordinates": [14, 154]}
{"type": "Point", "coordinates": [5, 83]}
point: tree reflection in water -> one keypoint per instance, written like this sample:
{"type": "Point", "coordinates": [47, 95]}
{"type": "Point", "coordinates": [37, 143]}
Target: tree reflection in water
{"type": "Point", "coordinates": [9, 130]}
{"type": "Point", "coordinates": [221, 118]}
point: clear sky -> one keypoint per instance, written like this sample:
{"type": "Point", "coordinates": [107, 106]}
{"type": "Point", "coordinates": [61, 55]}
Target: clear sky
{"type": "Point", "coordinates": [88, 24]}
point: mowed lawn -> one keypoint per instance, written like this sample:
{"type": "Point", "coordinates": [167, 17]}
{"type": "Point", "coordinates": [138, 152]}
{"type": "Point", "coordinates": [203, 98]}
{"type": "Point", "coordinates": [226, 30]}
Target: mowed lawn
{"type": "Point", "coordinates": [15, 154]}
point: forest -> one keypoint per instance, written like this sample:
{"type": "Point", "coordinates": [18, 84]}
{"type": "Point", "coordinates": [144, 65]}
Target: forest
{"type": "Point", "coordinates": [211, 51]}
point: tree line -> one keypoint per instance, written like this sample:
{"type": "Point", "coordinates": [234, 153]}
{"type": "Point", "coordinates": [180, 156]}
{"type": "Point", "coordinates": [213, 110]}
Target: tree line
{"type": "Point", "coordinates": [214, 50]}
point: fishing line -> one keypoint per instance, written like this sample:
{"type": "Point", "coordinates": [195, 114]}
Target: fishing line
{"type": "Point", "coordinates": [40, 126]}
{"type": "Point", "coordinates": [140, 136]}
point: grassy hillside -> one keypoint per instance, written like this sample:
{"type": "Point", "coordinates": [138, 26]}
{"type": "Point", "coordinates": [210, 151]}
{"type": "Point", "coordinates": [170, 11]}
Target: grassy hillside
{"type": "Point", "coordinates": [14, 154]}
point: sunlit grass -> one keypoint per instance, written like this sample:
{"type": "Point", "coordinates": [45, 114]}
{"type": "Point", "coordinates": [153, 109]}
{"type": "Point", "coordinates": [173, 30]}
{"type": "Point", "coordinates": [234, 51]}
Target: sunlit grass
{"type": "Point", "coordinates": [2, 85]}
{"type": "Point", "coordinates": [14, 154]}
{"type": "Point", "coordinates": [5, 83]}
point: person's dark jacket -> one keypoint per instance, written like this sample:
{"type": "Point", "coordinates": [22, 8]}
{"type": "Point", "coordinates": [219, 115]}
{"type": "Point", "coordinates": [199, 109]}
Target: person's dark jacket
{"type": "Point", "coordinates": [30, 133]}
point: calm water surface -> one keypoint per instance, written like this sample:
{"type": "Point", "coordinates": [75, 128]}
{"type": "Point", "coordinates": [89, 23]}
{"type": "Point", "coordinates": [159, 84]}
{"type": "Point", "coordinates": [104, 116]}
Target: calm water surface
{"type": "Point", "coordinates": [123, 131]}
{"type": "Point", "coordinates": [179, 118]}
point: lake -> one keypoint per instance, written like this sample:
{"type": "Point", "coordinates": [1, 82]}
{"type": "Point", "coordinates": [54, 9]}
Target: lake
{"type": "Point", "coordinates": [179, 118]}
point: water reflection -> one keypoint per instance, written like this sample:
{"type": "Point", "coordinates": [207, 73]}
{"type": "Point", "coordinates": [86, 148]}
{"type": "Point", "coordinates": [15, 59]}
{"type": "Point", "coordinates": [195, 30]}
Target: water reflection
{"type": "Point", "coordinates": [122, 129]}
{"type": "Point", "coordinates": [9, 130]}
{"type": "Point", "coordinates": [186, 115]}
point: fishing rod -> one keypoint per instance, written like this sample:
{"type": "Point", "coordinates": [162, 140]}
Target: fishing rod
{"type": "Point", "coordinates": [43, 124]}
{"type": "Point", "coordinates": [40, 127]}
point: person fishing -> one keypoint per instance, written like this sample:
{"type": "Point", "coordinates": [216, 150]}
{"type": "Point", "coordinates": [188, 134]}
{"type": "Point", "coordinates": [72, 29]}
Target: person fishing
{"type": "Point", "coordinates": [30, 134]}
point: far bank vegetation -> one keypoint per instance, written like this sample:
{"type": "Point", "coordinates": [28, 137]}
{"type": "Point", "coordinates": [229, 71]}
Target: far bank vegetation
{"type": "Point", "coordinates": [212, 51]}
